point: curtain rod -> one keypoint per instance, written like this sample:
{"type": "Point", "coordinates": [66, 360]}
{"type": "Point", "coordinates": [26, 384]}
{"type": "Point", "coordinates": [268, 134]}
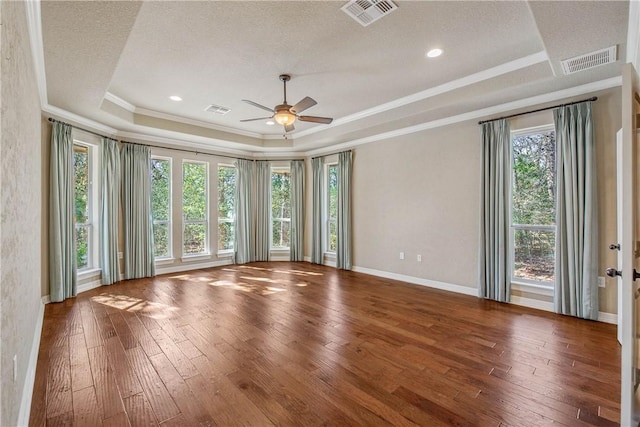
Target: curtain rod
{"type": "Point", "coordinates": [593, 98]}
{"type": "Point", "coordinates": [158, 146]}
{"type": "Point", "coordinates": [331, 154]}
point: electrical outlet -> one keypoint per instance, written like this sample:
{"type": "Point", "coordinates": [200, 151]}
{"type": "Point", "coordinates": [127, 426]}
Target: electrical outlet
{"type": "Point", "coordinates": [401, 255]}
{"type": "Point", "coordinates": [15, 368]}
{"type": "Point", "coordinates": [601, 282]}
{"type": "Point", "coordinates": [120, 255]}
{"type": "Point", "coordinates": [419, 257]}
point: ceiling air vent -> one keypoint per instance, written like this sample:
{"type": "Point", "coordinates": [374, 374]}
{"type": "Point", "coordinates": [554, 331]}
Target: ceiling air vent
{"type": "Point", "coordinates": [216, 109]}
{"type": "Point", "coordinates": [368, 11]}
{"type": "Point", "coordinates": [589, 60]}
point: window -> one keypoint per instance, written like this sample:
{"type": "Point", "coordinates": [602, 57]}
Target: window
{"type": "Point", "coordinates": [332, 208]}
{"type": "Point", "coordinates": [280, 208]}
{"type": "Point", "coordinates": [85, 207]}
{"type": "Point", "coordinates": [194, 208]}
{"type": "Point", "coordinates": [161, 206]}
{"type": "Point", "coordinates": [226, 206]}
{"type": "Point", "coordinates": [533, 207]}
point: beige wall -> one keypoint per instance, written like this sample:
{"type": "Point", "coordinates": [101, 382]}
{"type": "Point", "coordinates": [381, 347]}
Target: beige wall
{"type": "Point", "coordinates": [20, 206]}
{"type": "Point", "coordinates": [419, 194]}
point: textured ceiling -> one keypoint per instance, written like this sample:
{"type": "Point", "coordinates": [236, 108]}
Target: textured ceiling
{"type": "Point", "coordinates": [222, 52]}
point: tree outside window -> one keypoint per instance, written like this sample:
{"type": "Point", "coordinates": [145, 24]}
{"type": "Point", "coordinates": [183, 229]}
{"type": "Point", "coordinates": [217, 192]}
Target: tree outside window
{"type": "Point", "coordinates": [280, 208]}
{"type": "Point", "coordinates": [226, 206]}
{"type": "Point", "coordinates": [194, 207]}
{"type": "Point", "coordinates": [161, 207]}
{"type": "Point", "coordinates": [332, 208]}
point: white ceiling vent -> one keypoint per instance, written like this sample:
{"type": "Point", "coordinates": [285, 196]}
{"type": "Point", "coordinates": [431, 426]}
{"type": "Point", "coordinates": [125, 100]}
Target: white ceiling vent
{"type": "Point", "coordinates": [589, 60]}
{"type": "Point", "coordinates": [368, 11]}
{"type": "Point", "coordinates": [216, 109]}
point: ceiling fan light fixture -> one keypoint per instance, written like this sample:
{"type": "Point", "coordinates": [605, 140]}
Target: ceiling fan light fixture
{"type": "Point", "coordinates": [283, 116]}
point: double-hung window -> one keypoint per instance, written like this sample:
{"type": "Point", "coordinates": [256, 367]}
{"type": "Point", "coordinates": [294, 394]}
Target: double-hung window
{"type": "Point", "coordinates": [280, 208]}
{"type": "Point", "coordinates": [533, 207]}
{"type": "Point", "coordinates": [85, 206]}
{"type": "Point", "coordinates": [195, 212]}
{"type": "Point", "coordinates": [161, 206]}
{"type": "Point", "coordinates": [226, 207]}
{"type": "Point", "coordinates": [331, 235]}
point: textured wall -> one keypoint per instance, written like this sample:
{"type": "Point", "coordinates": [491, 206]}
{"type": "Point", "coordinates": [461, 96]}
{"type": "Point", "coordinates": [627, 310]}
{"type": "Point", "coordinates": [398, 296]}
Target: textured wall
{"type": "Point", "coordinates": [20, 206]}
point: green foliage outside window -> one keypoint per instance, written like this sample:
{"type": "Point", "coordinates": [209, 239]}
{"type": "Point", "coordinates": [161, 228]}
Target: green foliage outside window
{"type": "Point", "coordinates": [533, 203]}
{"type": "Point", "coordinates": [81, 212]}
{"type": "Point", "coordinates": [281, 209]}
{"type": "Point", "coordinates": [161, 206]}
{"type": "Point", "coordinates": [226, 206]}
{"type": "Point", "coordinates": [194, 207]}
{"type": "Point", "coordinates": [332, 213]}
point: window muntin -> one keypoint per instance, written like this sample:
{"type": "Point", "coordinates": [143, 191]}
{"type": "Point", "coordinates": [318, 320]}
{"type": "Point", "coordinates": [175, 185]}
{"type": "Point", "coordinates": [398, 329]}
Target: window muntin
{"type": "Point", "coordinates": [161, 206]}
{"type": "Point", "coordinates": [331, 241]}
{"type": "Point", "coordinates": [83, 206]}
{"type": "Point", "coordinates": [226, 206]}
{"type": "Point", "coordinates": [533, 207]}
{"type": "Point", "coordinates": [195, 208]}
{"type": "Point", "coordinates": [280, 208]}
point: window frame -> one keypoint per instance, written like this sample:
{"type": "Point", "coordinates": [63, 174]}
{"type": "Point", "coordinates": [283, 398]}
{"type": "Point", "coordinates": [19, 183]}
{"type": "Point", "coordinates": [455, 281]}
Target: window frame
{"type": "Point", "coordinates": [168, 222]}
{"type": "Point", "coordinates": [537, 286]}
{"type": "Point", "coordinates": [221, 220]}
{"type": "Point", "coordinates": [205, 221]}
{"type": "Point", "coordinates": [327, 209]}
{"type": "Point", "coordinates": [279, 169]}
{"type": "Point", "coordinates": [93, 207]}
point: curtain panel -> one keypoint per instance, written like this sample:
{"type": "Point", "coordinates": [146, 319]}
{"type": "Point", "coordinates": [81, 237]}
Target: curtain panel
{"type": "Point", "coordinates": [495, 280]}
{"type": "Point", "coordinates": [263, 210]}
{"type": "Point", "coordinates": [576, 290]}
{"type": "Point", "coordinates": [317, 206]}
{"type": "Point", "coordinates": [62, 245]}
{"type": "Point", "coordinates": [297, 211]}
{"type": "Point", "coordinates": [344, 247]}
{"type": "Point", "coordinates": [136, 206]}
{"type": "Point", "coordinates": [109, 211]}
{"type": "Point", "coordinates": [244, 220]}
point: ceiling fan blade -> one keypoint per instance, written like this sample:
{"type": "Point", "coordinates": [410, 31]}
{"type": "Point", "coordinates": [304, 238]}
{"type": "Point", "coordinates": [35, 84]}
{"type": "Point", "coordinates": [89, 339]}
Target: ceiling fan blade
{"type": "Point", "coordinates": [303, 105]}
{"type": "Point", "coordinates": [314, 119]}
{"type": "Point", "coordinates": [259, 118]}
{"type": "Point", "coordinates": [288, 128]}
{"type": "Point", "coordinates": [255, 104]}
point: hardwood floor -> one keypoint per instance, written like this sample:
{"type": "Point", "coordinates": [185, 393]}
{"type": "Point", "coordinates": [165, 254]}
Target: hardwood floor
{"type": "Point", "coordinates": [301, 344]}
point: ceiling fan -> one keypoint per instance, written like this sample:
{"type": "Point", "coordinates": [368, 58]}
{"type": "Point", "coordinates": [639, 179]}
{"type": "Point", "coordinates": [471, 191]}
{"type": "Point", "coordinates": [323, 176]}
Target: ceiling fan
{"type": "Point", "coordinates": [286, 114]}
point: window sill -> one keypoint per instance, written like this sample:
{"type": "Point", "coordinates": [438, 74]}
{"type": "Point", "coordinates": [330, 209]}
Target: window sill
{"type": "Point", "coordinates": [164, 261]}
{"type": "Point", "coordinates": [280, 250]}
{"type": "Point", "coordinates": [91, 272]}
{"type": "Point", "coordinates": [225, 254]}
{"type": "Point", "coordinates": [194, 258]}
{"type": "Point", "coordinates": [533, 288]}
{"type": "Point", "coordinates": [330, 256]}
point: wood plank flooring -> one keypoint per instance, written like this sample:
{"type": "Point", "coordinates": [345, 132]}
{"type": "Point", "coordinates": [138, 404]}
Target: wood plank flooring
{"type": "Point", "coordinates": [301, 344]}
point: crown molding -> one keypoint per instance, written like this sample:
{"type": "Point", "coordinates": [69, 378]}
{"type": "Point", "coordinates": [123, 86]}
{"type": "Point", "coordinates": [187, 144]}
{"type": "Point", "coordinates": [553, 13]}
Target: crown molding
{"type": "Point", "coordinates": [120, 102]}
{"type": "Point", "coordinates": [74, 119]}
{"type": "Point", "coordinates": [477, 114]}
{"type": "Point", "coordinates": [34, 27]}
{"type": "Point", "coordinates": [478, 77]}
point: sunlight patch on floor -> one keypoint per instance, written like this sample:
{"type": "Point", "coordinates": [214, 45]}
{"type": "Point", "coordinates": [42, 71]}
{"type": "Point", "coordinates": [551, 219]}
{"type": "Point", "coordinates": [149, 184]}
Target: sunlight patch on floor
{"type": "Point", "coordinates": [248, 287]}
{"type": "Point", "coordinates": [155, 310]}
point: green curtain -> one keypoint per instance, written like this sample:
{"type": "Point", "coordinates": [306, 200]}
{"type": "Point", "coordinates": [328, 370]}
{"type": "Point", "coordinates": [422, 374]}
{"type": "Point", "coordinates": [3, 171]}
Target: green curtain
{"type": "Point", "coordinates": [316, 215]}
{"type": "Point", "coordinates": [263, 210]}
{"type": "Point", "coordinates": [495, 281]}
{"type": "Point", "coordinates": [62, 244]}
{"type": "Point", "coordinates": [576, 268]}
{"type": "Point", "coordinates": [344, 249]}
{"type": "Point", "coordinates": [136, 209]}
{"type": "Point", "coordinates": [244, 220]}
{"type": "Point", "coordinates": [297, 211]}
{"type": "Point", "coordinates": [109, 212]}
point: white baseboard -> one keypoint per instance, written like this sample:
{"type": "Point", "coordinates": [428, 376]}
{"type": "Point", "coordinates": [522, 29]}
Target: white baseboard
{"type": "Point", "coordinates": [88, 286]}
{"type": "Point", "coordinates": [30, 378]}
{"type": "Point", "coordinates": [187, 267]}
{"type": "Point", "coordinates": [280, 258]}
{"type": "Point", "coordinates": [548, 306]}
{"type": "Point", "coordinates": [419, 281]}
{"type": "Point", "coordinates": [608, 318]}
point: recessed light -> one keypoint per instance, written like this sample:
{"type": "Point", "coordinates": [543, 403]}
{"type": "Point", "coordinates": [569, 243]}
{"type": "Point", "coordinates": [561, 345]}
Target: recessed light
{"type": "Point", "coordinates": [434, 52]}
{"type": "Point", "coordinates": [271, 123]}
{"type": "Point", "coordinates": [175, 98]}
